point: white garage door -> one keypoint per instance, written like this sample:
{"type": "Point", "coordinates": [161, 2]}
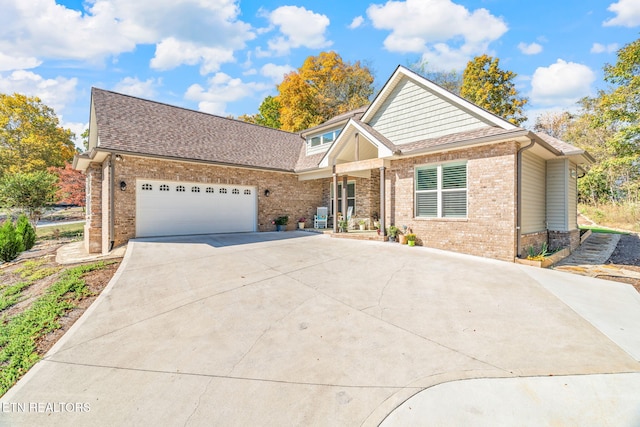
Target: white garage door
{"type": "Point", "coordinates": [166, 208]}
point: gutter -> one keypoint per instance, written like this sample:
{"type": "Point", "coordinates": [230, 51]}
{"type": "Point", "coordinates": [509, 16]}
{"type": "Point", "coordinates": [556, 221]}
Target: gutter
{"type": "Point", "coordinates": [519, 197]}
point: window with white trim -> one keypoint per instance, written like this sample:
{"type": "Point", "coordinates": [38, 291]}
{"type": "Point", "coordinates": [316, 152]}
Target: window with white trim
{"type": "Point", "coordinates": [351, 196]}
{"type": "Point", "coordinates": [441, 191]}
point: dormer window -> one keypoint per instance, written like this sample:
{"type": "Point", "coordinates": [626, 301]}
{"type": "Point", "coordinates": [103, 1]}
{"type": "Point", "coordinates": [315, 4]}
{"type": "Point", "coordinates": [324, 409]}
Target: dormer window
{"type": "Point", "coordinates": [320, 143]}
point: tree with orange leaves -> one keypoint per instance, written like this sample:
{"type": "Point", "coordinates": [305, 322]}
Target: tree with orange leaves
{"type": "Point", "coordinates": [323, 87]}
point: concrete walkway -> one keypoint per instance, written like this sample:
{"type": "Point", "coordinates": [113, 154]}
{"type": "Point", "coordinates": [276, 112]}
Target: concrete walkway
{"type": "Point", "coordinates": [591, 256]}
{"type": "Point", "coordinates": [301, 329]}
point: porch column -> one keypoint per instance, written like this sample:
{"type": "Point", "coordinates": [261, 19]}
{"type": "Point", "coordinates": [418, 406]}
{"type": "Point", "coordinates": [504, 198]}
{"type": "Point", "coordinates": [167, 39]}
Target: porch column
{"type": "Point", "coordinates": [382, 202]}
{"type": "Point", "coordinates": [335, 202]}
{"type": "Point", "coordinates": [344, 196]}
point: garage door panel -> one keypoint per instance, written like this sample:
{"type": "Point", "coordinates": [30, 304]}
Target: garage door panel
{"type": "Point", "coordinates": [214, 208]}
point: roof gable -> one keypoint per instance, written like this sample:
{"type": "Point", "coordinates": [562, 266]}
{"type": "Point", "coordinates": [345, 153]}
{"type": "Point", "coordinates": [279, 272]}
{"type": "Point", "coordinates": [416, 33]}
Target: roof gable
{"type": "Point", "coordinates": [128, 124]}
{"type": "Point", "coordinates": [411, 108]}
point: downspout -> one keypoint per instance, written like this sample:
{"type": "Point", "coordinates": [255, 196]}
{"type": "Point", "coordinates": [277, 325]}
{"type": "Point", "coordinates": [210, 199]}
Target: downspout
{"type": "Point", "coordinates": [519, 198]}
{"type": "Point", "coordinates": [112, 204]}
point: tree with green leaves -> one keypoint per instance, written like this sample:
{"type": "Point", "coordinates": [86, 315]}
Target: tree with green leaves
{"type": "Point", "coordinates": [323, 87]}
{"type": "Point", "coordinates": [26, 233]}
{"type": "Point", "coordinates": [28, 192]}
{"type": "Point", "coordinates": [31, 138]}
{"type": "Point", "coordinates": [485, 84]}
{"type": "Point", "coordinates": [269, 114]}
{"type": "Point", "coordinates": [10, 244]}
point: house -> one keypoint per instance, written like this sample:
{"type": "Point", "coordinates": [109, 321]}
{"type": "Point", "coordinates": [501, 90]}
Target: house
{"type": "Point", "coordinates": [460, 177]}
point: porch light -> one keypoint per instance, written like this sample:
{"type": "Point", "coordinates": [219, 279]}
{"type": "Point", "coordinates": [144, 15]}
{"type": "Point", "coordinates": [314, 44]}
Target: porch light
{"type": "Point", "coordinates": [267, 193]}
{"type": "Point", "coordinates": [123, 185]}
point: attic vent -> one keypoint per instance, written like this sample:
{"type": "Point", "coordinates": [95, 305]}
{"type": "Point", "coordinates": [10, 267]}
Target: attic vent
{"type": "Point", "coordinates": [164, 187]}
{"type": "Point", "coordinates": [180, 189]}
{"type": "Point", "coordinates": [147, 187]}
{"type": "Point", "coordinates": [235, 191]}
{"type": "Point", "coordinates": [210, 190]}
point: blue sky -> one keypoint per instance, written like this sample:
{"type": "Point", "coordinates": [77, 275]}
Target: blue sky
{"type": "Point", "coordinates": [224, 56]}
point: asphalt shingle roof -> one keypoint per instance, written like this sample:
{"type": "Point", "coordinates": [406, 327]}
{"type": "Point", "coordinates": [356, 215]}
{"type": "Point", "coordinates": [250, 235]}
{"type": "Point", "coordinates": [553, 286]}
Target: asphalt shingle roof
{"type": "Point", "coordinates": [135, 125]}
{"type": "Point", "coordinates": [488, 131]}
{"type": "Point", "coordinates": [564, 147]}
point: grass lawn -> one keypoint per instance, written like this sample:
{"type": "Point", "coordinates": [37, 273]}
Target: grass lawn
{"type": "Point", "coordinates": [58, 231]}
{"type": "Point", "coordinates": [598, 229]}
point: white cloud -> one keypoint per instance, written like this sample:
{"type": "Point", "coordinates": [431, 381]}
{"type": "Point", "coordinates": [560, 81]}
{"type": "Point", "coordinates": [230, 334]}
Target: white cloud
{"type": "Point", "coordinates": [561, 84]}
{"type": "Point", "coordinates": [446, 33]}
{"type": "Point", "coordinates": [530, 49]}
{"type": "Point", "coordinates": [601, 48]}
{"type": "Point", "coordinates": [8, 63]}
{"type": "Point", "coordinates": [299, 27]}
{"type": "Point", "coordinates": [77, 129]}
{"type": "Point", "coordinates": [43, 29]}
{"type": "Point", "coordinates": [55, 93]}
{"type": "Point", "coordinates": [627, 13]}
{"type": "Point", "coordinates": [275, 72]}
{"type": "Point", "coordinates": [135, 87]}
{"type": "Point", "coordinates": [221, 90]}
{"type": "Point", "coordinates": [357, 22]}
{"type": "Point", "coordinates": [171, 53]}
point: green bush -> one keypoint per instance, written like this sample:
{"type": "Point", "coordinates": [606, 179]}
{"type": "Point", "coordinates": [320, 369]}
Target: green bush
{"type": "Point", "coordinates": [10, 244]}
{"type": "Point", "coordinates": [25, 232]}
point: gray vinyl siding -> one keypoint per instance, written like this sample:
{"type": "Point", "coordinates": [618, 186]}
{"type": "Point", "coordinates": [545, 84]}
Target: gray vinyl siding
{"type": "Point", "coordinates": [573, 197]}
{"type": "Point", "coordinates": [413, 113]}
{"type": "Point", "coordinates": [533, 193]}
{"type": "Point", "coordinates": [557, 195]}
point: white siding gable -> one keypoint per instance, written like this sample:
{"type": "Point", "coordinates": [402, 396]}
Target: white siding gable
{"type": "Point", "coordinates": [412, 113]}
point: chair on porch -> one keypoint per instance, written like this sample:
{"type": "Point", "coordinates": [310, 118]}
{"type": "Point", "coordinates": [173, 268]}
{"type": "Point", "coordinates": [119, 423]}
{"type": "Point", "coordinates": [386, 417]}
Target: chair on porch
{"type": "Point", "coordinates": [320, 218]}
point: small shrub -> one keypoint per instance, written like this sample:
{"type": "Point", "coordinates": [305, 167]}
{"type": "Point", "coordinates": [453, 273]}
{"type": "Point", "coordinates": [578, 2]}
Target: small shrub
{"type": "Point", "coordinates": [10, 244]}
{"type": "Point", "coordinates": [25, 232]}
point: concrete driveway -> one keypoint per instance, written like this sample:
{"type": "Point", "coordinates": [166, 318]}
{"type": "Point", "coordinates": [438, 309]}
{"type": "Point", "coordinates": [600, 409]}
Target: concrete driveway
{"type": "Point", "coordinates": [301, 329]}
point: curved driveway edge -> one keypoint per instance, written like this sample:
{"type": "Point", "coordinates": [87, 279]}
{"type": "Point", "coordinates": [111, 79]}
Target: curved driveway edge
{"type": "Point", "coordinates": [301, 329]}
{"type": "Point", "coordinates": [586, 400]}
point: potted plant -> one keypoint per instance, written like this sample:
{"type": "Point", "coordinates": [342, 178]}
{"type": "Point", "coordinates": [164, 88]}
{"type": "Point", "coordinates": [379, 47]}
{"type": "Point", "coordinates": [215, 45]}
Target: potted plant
{"type": "Point", "coordinates": [342, 225]}
{"type": "Point", "coordinates": [301, 222]}
{"type": "Point", "coordinates": [281, 222]}
{"type": "Point", "coordinates": [362, 223]}
{"type": "Point", "coordinates": [403, 236]}
{"type": "Point", "coordinates": [411, 239]}
{"type": "Point", "coordinates": [392, 232]}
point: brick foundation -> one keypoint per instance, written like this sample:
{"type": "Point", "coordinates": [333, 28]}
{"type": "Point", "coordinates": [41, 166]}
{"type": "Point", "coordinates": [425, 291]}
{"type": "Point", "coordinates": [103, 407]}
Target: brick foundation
{"type": "Point", "coordinates": [564, 239]}
{"type": "Point", "coordinates": [534, 240]}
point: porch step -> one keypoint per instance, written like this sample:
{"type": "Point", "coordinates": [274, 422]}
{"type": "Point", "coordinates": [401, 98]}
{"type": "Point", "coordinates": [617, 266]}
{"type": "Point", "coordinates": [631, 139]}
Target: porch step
{"type": "Point", "coordinates": [359, 235]}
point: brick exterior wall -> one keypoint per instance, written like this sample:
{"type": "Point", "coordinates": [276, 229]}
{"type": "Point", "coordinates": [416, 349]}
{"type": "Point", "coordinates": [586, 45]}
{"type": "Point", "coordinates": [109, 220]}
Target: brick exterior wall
{"type": "Point", "coordinates": [93, 224]}
{"type": "Point", "coordinates": [288, 195]}
{"type": "Point", "coordinates": [489, 229]}
{"type": "Point", "coordinates": [106, 207]}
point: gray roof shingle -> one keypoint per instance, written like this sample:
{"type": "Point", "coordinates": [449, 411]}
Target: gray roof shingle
{"type": "Point", "coordinates": [129, 124]}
